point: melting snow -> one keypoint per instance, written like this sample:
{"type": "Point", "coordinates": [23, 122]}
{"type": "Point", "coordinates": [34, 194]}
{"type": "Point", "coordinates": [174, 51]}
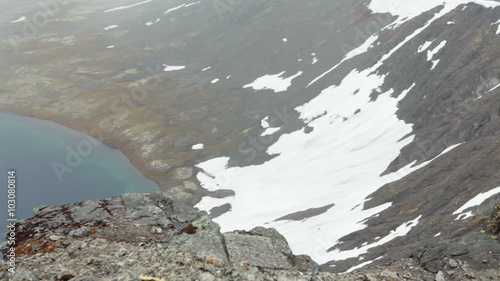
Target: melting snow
{"type": "Point", "coordinates": [498, 85]}
{"type": "Point", "coordinates": [151, 22]}
{"type": "Point", "coordinates": [214, 81]}
{"type": "Point", "coordinates": [181, 6]}
{"type": "Point", "coordinates": [433, 52]}
{"type": "Point", "coordinates": [198, 146]}
{"type": "Point", "coordinates": [206, 68]}
{"type": "Point", "coordinates": [173, 67]}
{"type": "Point", "coordinates": [362, 264]}
{"type": "Point", "coordinates": [424, 46]}
{"type": "Point", "coordinates": [285, 40]}
{"type": "Point", "coordinates": [434, 63]}
{"type": "Point", "coordinates": [275, 82]}
{"type": "Point", "coordinates": [476, 201]}
{"type": "Point", "coordinates": [126, 7]}
{"type": "Point", "coordinates": [19, 19]}
{"type": "Point", "coordinates": [110, 46]}
{"type": "Point", "coordinates": [361, 49]}
{"type": "Point", "coordinates": [270, 131]}
{"type": "Point", "coordinates": [175, 8]}
{"type": "Point", "coordinates": [340, 161]}
{"type": "Point", "coordinates": [315, 59]}
{"type": "Point", "coordinates": [406, 10]}
{"type": "Point", "coordinates": [229, 76]}
{"type": "Point", "coordinates": [264, 123]}
{"type": "Point", "coordinates": [498, 28]}
{"type": "Point", "coordinates": [323, 167]}
{"type": "Point", "coordinates": [402, 230]}
{"type": "Point", "coordinates": [450, 22]}
{"type": "Point", "coordinates": [111, 27]}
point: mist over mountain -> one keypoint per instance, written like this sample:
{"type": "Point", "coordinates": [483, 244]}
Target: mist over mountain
{"type": "Point", "coordinates": [365, 132]}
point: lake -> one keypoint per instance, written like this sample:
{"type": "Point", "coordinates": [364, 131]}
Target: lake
{"type": "Point", "coordinates": [56, 165]}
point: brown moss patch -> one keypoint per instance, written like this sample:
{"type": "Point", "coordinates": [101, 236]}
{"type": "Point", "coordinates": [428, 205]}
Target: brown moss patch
{"type": "Point", "coordinates": [35, 246]}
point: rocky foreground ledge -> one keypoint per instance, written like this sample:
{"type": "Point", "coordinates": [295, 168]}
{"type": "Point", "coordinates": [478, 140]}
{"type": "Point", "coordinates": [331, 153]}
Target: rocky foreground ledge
{"type": "Point", "coordinates": [149, 237]}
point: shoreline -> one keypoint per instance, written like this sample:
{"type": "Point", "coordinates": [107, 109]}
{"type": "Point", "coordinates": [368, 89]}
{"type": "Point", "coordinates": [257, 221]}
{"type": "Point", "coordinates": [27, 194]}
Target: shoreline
{"type": "Point", "coordinates": [167, 181]}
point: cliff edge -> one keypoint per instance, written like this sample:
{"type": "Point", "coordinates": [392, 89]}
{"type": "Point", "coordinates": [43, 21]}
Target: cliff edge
{"type": "Point", "coordinates": [148, 237]}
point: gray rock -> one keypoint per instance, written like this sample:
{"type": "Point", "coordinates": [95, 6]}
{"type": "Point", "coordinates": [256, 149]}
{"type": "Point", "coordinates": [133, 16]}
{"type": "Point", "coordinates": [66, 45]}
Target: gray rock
{"type": "Point", "coordinates": [205, 276]}
{"type": "Point", "coordinates": [80, 232]}
{"type": "Point", "coordinates": [201, 238]}
{"type": "Point", "coordinates": [440, 276]}
{"type": "Point", "coordinates": [183, 173]}
{"type": "Point", "coordinates": [453, 263]}
{"type": "Point", "coordinates": [267, 250]}
{"type": "Point", "coordinates": [24, 275]}
{"type": "Point", "coordinates": [305, 263]}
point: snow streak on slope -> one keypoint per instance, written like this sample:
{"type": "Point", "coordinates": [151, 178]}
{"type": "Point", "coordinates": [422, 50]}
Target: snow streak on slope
{"type": "Point", "coordinates": [185, 5]}
{"type": "Point", "coordinates": [406, 10]}
{"type": "Point", "coordinates": [126, 7]}
{"type": "Point", "coordinates": [19, 19]}
{"type": "Point", "coordinates": [476, 201]}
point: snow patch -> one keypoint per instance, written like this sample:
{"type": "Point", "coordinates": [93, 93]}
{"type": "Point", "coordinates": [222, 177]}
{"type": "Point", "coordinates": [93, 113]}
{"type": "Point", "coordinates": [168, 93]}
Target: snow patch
{"type": "Point", "coordinates": [274, 82]}
{"type": "Point", "coordinates": [206, 68]}
{"type": "Point", "coordinates": [498, 85]}
{"type": "Point", "coordinates": [424, 46]}
{"type": "Point", "coordinates": [152, 22]}
{"type": "Point", "coordinates": [198, 146]}
{"type": "Point", "coordinates": [406, 10]}
{"type": "Point", "coordinates": [264, 123]}
{"type": "Point", "coordinates": [402, 230]}
{"type": "Point", "coordinates": [181, 6]}
{"type": "Point", "coordinates": [126, 7]}
{"type": "Point", "coordinates": [357, 51]}
{"type": "Point", "coordinates": [175, 8]}
{"type": "Point", "coordinates": [362, 264]}
{"type": "Point", "coordinates": [214, 81]}
{"type": "Point", "coordinates": [19, 19]}
{"type": "Point", "coordinates": [285, 40]}
{"type": "Point", "coordinates": [314, 59]}
{"type": "Point", "coordinates": [434, 63]}
{"type": "Point", "coordinates": [433, 52]}
{"type": "Point", "coordinates": [476, 201]}
{"type": "Point", "coordinates": [498, 27]}
{"type": "Point", "coordinates": [173, 67]}
{"type": "Point", "coordinates": [110, 47]}
{"type": "Point", "coordinates": [110, 27]}
{"type": "Point", "coordinates": [270, 131]}
{"type": "Point", "coordinates": [339, 162]}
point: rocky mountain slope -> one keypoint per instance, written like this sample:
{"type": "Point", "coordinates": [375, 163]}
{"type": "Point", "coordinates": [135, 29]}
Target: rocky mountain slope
{"type": "Point", "coordinates": [363, 131]}
{"type": "Point", "coordinates": [148, 236]}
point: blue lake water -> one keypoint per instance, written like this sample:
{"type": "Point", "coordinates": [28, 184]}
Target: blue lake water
{"type": "Point", "coordinates": [57, 165]}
